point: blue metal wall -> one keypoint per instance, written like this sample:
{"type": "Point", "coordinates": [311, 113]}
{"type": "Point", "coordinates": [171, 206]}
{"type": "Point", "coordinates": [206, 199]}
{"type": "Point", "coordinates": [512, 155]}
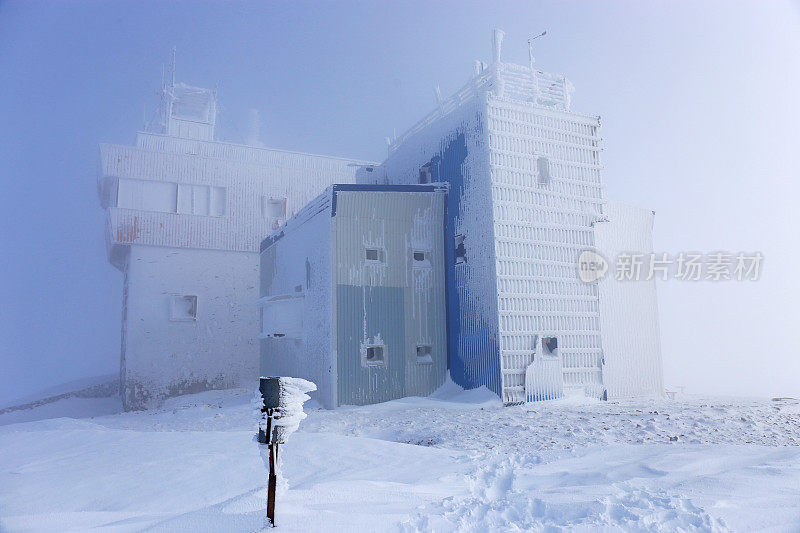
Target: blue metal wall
{"type": "Point", "coordinates": [473, 349]}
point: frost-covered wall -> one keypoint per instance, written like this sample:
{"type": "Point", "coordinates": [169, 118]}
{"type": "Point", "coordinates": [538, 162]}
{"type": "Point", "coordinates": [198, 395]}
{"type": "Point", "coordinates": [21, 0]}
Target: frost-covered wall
{"type": "Point", "coordinates": [190, 193]}
{"type": "Point", "coordinates": [361, 272]}
{"type": "Point", "coordinates": [547, 193]}
{"type": "Point", "coordinates": [629, 309]}
{"type": "Point", "coordinates": [296, 274]}
{"type": "Point", "coordinates": [453, 148]}
{"type": "Point", "coordinates": [525, 189]}
{"type": "Point", "coordinates": [199, 209]}
{"type": "Point", "coordinates": [166, 351]}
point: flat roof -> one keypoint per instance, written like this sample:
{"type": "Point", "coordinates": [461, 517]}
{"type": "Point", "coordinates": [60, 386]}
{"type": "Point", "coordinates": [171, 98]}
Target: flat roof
{"type": "Point", "coordinates": [313, 207]}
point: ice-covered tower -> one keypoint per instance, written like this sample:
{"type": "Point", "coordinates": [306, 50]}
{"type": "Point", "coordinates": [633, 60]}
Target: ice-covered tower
{"type": "Point", "coordinates": [525, 199]}
{"type": "Point", "coordinates": [185, 215]}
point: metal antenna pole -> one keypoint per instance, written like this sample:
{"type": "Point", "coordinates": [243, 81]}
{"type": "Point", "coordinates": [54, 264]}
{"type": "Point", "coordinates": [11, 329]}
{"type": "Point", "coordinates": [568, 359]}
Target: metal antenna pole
{"type": "Point", "coordinates": [531, 60]}
{"type": "Point", "coordinates": [172, 67]}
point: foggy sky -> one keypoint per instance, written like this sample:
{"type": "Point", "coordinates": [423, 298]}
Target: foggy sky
{"type": "Point", "coordinates": [700, 112]}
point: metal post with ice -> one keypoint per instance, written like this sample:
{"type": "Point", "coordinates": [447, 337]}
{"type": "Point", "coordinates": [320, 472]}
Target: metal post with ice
{"type": "Point", "coordinates": [282, 401]}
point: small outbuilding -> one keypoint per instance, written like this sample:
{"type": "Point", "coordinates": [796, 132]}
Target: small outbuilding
{"type": "Point", "coordinates": [353, 294]}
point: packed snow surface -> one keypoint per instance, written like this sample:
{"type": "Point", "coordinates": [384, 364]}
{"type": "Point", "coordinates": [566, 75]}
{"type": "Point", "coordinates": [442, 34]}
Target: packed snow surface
{"type": "Point", "coordinates": [457, 461]}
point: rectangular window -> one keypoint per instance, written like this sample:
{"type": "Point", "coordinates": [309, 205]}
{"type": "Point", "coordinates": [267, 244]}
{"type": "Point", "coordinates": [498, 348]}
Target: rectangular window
{"type": "Point", "coordinates": [147, 195]}
{"type": "Point", "coordinates": [375, 255]}
{"type": "Point", "coordinates": [420, 256]}
{"type": "Point", "coordinates": [543, 170]}
{"type": "Point", "coordinates": [273, 207]}
{"type": "Point", "coordinates": [460, 250]}
{"type": "Point", "coordinates": [373, 355]}
{"type": "Point", "coordinates": [274, 211]}
{"type": "Point", "coordinates": [425, 173]}
{"type": "Point", "coordinates": [182, 307]}
{"type": "Point", "coordinates": [424, 354]}
{"type": "Point", "coordinates": [201, 200]}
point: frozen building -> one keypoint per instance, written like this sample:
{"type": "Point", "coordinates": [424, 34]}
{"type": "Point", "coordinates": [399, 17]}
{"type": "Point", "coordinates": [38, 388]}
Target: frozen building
{"type": "Point", "coordinates": [184, 218]}
{"type": "Point", "coordinates": [353, 294]}
{"type": "Point", "coordinates": [525, 199]}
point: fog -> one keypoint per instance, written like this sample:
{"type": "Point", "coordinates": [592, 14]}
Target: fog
{"type": "Point", "coordinates": [699, 107]}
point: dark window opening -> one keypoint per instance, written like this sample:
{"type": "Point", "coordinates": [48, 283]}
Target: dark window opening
{"type": "Point", "coordinates": [374, 355]}
{"type": "Point", "coordinates": [461, 250]}
{"type": "Point", "coordinates": [550, 345]}
{"type": "Point", "coordinates": [419, 256]}
{"type": "Point", "coordinates": [424, 354]}
{"type": "Point", "coordinates": [425, 173]}
{"type": "Point", "coordinates": [543, 168]}
{"type": "Point", "coordinates": [375, 254]}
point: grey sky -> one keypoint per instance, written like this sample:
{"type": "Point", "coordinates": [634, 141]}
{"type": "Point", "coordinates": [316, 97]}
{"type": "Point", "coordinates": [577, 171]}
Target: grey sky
{"type": "Point", "coordinates": [699, 106]}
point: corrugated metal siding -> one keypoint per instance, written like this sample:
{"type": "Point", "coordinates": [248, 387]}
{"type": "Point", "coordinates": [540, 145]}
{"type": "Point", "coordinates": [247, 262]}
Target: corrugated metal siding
{"type": "Point", "coordinates": [396, 223]}
{"type": "Point", "coordinates": [455, 145]}
{"type": "Point", "coordinates": [629, 309]}
{"type": "Point", "coordinates": [246, 173]}
{"type": "Point", "coordinates": [369, 313]}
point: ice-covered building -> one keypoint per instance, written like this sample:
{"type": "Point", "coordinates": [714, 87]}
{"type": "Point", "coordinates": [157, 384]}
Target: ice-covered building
{"type": "Point", "coordinates": [353, 294]}
{"type": "Point", "coordinates": [185, 214]}
{"type": "Point", "coordinates": [526, 198]}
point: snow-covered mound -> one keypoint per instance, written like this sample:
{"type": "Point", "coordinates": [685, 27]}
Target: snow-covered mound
{"type": "Point", "coordinates": [457, 461]}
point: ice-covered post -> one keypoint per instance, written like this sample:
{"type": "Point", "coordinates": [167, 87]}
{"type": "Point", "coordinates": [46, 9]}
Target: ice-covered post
{"type": "Point", "coordinates": [281, 412]}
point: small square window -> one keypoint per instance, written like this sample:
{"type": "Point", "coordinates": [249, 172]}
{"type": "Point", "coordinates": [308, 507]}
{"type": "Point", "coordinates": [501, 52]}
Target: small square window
{"type": "Point", "coordinates": [374, 355]}
{"type": "Point", "coordinates": [420, 256]}
{"type": "Point", "coordinates": [425, 173]}
{"type": "Point", "coordinates": [424, 354]}
{"type": "Point", "coordinates": [375, 255]}
{"type": "Point", "coordinates": [550, 345]}
{"type": "Point", "coordinates": [460, 250]}
{"type": "Point", "coordinates": [273, 210]}
{"type": "Point", "coordinates": [182, 307]}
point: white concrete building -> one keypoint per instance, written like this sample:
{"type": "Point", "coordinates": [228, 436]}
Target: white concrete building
{"type": "Point", "coordinates": [185, 215]}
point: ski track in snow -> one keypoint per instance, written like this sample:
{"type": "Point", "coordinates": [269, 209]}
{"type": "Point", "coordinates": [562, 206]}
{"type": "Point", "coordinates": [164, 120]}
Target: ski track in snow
{"type": "Point", "coordinates": [457, 461]}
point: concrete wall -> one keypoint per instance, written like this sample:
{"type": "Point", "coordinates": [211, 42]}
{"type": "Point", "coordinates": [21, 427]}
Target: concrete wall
{"type": "Point", "coordinates": [163, 356]}
{"type": "Point", "coordinates": [629, 309]}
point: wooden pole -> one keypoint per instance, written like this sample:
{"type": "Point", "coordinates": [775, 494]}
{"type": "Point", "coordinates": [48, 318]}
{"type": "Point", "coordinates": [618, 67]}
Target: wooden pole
{"type": "Point", "coordinates": [272, 480]}
{"type": "Point", "coordinates": [273, 453]}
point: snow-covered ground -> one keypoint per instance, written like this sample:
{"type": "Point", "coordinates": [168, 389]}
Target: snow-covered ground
{"type": "Point", "coordinates": [457, 461]}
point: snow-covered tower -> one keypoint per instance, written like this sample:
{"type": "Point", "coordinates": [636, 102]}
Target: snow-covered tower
{"type": "Point", "coordinates": [185, 215]}
{"type": "Point", "coordinates": [526, 197]}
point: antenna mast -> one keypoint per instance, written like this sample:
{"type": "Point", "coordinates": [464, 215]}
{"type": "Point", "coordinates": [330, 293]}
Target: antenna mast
{"type": "Point", "coordinates": [172, 67]}
{"type": "Point", "coordinates": [531, 59]}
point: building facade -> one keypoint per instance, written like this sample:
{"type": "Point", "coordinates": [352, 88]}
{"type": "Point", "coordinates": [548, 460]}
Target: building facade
{"type": "Point", "coordinates": [184, 218]}
{"type": "Point", "coordinates": [526, 198]}
{"type": "Point", "coordinates": [353, 294]}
